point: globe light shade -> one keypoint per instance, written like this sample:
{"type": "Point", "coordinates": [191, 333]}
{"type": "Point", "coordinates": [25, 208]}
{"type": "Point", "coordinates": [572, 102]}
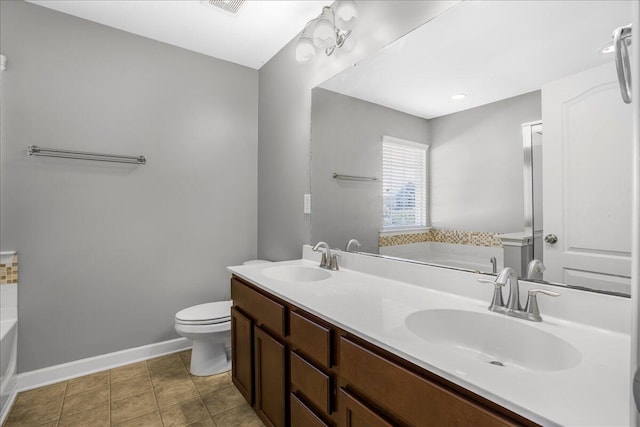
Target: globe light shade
{"type": "Point", "coordinates": [346, 15]}
{"type": "Point", "coordinates": [305, 50]}
{"type": "Point", "coordinates": [324, 33]}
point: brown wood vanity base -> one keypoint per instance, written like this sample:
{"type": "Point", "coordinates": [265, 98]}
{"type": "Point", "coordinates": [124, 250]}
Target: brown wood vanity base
{"type": "Point", "coordinates": [298, 370]}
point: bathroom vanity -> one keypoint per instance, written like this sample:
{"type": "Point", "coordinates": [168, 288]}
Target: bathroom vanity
{"type": "Point", "coordinates": [383, 343]}
{"type": "Point", "coordinates": [334, 377]}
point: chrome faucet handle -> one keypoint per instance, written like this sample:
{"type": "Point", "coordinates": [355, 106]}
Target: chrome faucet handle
{"type": "Point", "coordinates": [535, 269]}
{"type": "Point", "coordinates": [352, 242]}
{"type": "Point", "coordinates": [324, 262]}
{"type": "Point", "coordinates": [326, 254]}
{"type": "Point", "coordinates": [508, 274]}
{"type": "Point", "coordinates": [532, 310]}
{"type": "Point", "coordinates": [333, 263]}
{"type": "Point", "coordinates": [497, 303]}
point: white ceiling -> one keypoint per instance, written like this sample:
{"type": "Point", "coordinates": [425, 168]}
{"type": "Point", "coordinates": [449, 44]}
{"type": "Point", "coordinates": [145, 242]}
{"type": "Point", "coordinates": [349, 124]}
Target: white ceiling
{"type": "Point", "coordinates": [250, 37]}
{"type": "Point", "coordinates": [490, 50]}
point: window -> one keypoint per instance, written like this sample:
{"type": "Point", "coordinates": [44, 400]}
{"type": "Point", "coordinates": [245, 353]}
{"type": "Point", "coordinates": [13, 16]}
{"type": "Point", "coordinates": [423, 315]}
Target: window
{"type": "Point", "coordinates": [404, 183]}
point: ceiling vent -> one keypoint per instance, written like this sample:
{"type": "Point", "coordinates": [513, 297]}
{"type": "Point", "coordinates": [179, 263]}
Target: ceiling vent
{"type": "Point", "coordinates": [228, 5]}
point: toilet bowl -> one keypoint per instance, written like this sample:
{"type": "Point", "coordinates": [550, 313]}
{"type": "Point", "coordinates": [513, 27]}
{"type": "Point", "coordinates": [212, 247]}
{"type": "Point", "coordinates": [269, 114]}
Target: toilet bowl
{"type": "Point", "coordinates": [209, 326]}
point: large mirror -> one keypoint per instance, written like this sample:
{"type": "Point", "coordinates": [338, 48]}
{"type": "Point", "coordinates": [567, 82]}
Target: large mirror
{"type": "Point", "coordinates": [491, 136]}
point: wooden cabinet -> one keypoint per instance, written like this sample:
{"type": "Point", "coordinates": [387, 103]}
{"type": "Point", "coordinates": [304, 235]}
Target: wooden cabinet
{"type": "Point", "coordinates": [311, 382]}
{"type": "Point", "coordinates": [242, 354]}
{"type": "Point", "coordinates": [312, 370]}
{"type": "Point", "coordinates": [268, 313]}
{"type": "Point", "coordinates": [303, 416]}
{"type": "Point", "coordinates": [411, 398]}
{"type": "Point", "coordinates": [311, 338]}
{"type": "Point", "coordinates": [259, 353]}
{"type": "Point", "coordinates": [270, 378]}
{"type": "Point", "coordinates": [357, 414]}
{"type": "Point", "coordinates": [298, 370]}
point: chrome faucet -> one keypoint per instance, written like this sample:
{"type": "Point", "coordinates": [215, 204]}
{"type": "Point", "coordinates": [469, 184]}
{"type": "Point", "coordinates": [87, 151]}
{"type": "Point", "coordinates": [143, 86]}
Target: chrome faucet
{"type": "Point", "coordinates": [326, 254]}
{"type": "Point", "coordinates": [497, 303]}
{"type": "Point", "coordinates": [329, 260]}
{"type": "Point", "coordinates": [535, 269]}
{"type": "Point", "coordinates": [507, 274]}
{"type": "Point", "coordinates": [513, 307]}
{"type": "Point", "coordinates": [532, 310]}
{"type": "Point", "coordinates": [352, 242]}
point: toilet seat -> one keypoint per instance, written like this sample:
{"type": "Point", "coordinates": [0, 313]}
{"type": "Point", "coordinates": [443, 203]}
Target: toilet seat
{"type": "Point", "coordinates": [211, 313]}
{"type": "Point", "coordinates": [209, 327]}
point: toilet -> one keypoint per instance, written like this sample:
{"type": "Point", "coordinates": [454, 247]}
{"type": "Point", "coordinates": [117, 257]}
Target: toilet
{"type": "Point", "coordinates": [209, 326]}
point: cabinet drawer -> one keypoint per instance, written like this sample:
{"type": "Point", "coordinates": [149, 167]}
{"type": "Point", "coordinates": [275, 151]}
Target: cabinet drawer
{"type": "Point", "coordinates": [357, 414]}
{"type": "Point", "coordinates": [310, 338]}
{"type": "Point", "coordinates": [314, 384]}
{"type": "Point", "coordinates": [303, 416]}
{"type": "Point", "coordinates": [413, 399]}
{"type": "Point", "coordinates": [265, 311]}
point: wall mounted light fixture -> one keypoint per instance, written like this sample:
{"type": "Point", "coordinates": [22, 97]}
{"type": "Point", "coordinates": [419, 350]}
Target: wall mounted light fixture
{"type": "Point", "coordinates": [331, 30]}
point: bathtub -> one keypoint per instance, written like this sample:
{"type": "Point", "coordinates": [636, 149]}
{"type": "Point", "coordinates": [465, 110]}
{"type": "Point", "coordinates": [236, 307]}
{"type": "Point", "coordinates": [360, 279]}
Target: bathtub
{"type": "Point", "coordinates": [477, 258]}
{"type": "Point", "coordinates": [8, 351]}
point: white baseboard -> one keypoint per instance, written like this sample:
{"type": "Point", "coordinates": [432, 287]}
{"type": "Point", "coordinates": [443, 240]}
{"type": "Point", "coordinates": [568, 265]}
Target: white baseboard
{"type": "Point", "coordinates": [78, 368]}
{"type": "Point", "coordinates": [7, 408]}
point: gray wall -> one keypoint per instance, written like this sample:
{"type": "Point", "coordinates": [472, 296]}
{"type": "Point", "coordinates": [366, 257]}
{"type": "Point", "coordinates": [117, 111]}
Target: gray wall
{"type": "Point", "coordinates": [284, 119]}
{"type": "Point", "coordinates": [476, 162]}
{"type": "Point", "coordinates": [109, 253]}
{"type": "Point", "coordinates": [346, 137]}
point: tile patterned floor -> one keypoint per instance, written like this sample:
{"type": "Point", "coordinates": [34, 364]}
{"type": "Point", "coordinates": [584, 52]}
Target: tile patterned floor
{"type": "Point", "coordinates": [158, 392]}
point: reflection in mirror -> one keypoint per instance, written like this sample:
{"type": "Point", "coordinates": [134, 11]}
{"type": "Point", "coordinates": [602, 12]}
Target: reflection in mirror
{"type": "Point", "coordinates": [491, 136]}
{"type": "Point", "coordinates": [532, 156]}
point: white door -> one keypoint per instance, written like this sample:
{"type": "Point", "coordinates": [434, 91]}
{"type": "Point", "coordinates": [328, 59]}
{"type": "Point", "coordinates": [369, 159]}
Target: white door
{"type": "Point", "coordinates": [635, 288]}
{"type": "Point", "coordinates": [588, 134]}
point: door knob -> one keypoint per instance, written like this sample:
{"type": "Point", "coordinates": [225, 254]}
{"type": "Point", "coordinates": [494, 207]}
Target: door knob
{"type": "Point", "coordinates": [551, 238]}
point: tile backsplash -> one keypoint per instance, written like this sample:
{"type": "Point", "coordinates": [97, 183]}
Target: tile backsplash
{"type": "Point", "coordinates": [460, 237]}
{"type": "Point", "coordinates": [8, 269]}
{"type": "Point", "coordinates": [404, 238]}
{"type": "Point", "coordinates": [473, 238]}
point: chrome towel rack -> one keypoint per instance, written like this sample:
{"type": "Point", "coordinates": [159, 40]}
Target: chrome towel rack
{"type": "Point", "coordinates": [354, 177]}
{"type": "Point", "coordinates": [34, 150]}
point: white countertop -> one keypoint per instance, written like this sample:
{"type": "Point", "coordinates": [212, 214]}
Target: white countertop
{"type": "Point", "coordinates": [593, 393]}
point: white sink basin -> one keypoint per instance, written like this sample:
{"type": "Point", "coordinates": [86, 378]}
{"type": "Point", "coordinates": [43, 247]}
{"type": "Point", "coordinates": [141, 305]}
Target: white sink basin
{"type": "Point", "coordinates": [495, 339]}
{"type": "Point", "coordinates": [296, 273]}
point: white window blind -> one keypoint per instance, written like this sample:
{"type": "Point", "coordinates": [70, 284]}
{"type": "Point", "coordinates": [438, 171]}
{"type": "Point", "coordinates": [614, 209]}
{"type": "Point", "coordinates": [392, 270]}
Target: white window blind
{"type": "Point", "coordinates": [404, 183]}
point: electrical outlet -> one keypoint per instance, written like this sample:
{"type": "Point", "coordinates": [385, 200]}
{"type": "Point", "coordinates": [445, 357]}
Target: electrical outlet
{"type": "Point", "coordinates": [307, 203]}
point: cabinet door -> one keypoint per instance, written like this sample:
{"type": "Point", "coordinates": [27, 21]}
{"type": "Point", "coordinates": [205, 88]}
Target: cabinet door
{"type": "Point", "coordinates": [270, 378]}
{"type": "Point", "coordinates": [357, 414]}
{"type": "Point", "coordinates": [242, 354]}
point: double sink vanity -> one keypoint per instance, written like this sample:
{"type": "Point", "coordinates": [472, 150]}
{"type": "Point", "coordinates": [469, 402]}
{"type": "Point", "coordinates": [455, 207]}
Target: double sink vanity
{"type": "Point", "coordinates": [381, 342]}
